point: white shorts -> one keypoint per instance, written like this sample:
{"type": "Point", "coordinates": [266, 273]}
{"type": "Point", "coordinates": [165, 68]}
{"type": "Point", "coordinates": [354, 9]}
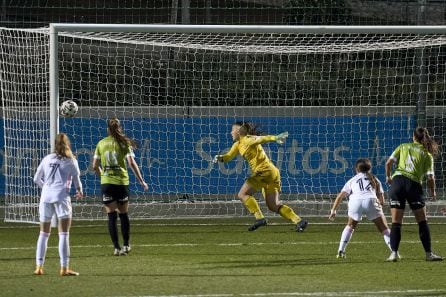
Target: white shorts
{"type": "Point", "coordinates": [370, 207]}
{"type": "Point", "coordinates": [62, 210]}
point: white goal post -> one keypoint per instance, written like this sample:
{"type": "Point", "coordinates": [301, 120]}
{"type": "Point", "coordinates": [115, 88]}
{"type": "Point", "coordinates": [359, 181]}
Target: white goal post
{"type": "Point", "coordinates": [342, 92]}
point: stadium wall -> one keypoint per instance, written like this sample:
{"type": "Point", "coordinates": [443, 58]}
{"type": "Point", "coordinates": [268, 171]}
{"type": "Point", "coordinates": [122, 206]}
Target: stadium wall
{"type": "Point", "coordinates": [177, 146]}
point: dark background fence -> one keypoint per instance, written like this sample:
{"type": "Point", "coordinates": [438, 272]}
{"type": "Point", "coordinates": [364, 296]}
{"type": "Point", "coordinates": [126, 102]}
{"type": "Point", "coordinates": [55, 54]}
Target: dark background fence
{"type": "Point", "coordinates": [37, 13]}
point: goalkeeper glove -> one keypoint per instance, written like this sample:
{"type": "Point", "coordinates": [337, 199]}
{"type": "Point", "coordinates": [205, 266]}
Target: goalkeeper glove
{"type": "Point", "coordinates": [217, 158]}
{"type": "Point", "coordinates": [280, 138]}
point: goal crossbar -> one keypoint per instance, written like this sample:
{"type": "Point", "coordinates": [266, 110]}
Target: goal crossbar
{"type": "Point", "coordinates": [61, 27]}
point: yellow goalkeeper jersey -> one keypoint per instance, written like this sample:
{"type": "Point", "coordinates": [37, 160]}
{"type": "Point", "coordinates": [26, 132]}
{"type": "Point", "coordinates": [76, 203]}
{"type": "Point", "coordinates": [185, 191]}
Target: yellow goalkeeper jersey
{"type": "Point", "coordinates": [250, 148]}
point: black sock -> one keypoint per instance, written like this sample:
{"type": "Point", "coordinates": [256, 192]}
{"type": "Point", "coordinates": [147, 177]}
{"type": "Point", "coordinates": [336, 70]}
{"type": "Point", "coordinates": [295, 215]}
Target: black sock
{"type": "Point", "coordinates": [125, 227]}
{"type": "Point", "coordinates": [425, 235]}
{"type": "Point", "coordinates": [113, 228]}
{"type": "Point", "coordinates": [395, 236]}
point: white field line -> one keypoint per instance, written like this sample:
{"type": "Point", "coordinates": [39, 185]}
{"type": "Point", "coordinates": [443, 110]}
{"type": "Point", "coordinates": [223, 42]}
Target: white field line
{"type": "Point", "coordinates": [103, 223]}
{"type": "Point", "coordinates": [430, 292]}
{"type": "Point", "coordinates": [217, 244]}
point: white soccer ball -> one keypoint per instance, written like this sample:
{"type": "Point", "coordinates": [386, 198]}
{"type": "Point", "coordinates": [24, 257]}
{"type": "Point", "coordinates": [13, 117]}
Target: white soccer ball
{"type": "Point", "coordinates": [68, 108]}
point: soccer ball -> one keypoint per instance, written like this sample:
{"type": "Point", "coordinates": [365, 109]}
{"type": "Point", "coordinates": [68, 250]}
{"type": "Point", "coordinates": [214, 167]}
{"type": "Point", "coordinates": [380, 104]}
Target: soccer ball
{"type": "Point", "coordinates": [68, 108]}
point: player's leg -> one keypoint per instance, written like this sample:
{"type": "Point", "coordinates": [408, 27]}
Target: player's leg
{"type": "Point", "coordinates": [424, 233]}
{"type": "Point", "coordinates": [112, 214]}
{"type": "Point", "coordinates": [64, 214]}
{"type": "Point", "coordinates": [123, 208]}
{"type": "Point", "coordinates": [46, 211]}
{"type": "Point", "coordinates": [246, 196]}
{"type": "Point", "coordinates": [110, 205]}
{"type": "Point", "coordinates": [272, 189]}
{"type": "Point", "coordinates": [346, 235]}
{"type": "Point", "coordinates": [397, 195]}
{"type": "Point", "coordinates": [286, 212]}
{"type": "Point", "coordinates": [381, 224]}
{"type": "Point", "coordinates": [375, 214]}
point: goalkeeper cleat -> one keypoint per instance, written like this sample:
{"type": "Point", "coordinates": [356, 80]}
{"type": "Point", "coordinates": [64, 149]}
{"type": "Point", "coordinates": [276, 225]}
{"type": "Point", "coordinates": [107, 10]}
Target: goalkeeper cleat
{"type": "Point", "coordinates": [39, 270]}
{"type": "Point", "coordinates": [117, 252]}
{"type": "Point", "coordinates": [301, 226]}
{"type": "Point", "coordinates": [65, 271]}
{"type": "Point", "coordinates": [394, 257]}
{"type": "Point", "coordinates": [432, 257]}
{"type": "Point", "coordinates": [125, 250]}
{"type": "Point", "coordinates": [257, 224]}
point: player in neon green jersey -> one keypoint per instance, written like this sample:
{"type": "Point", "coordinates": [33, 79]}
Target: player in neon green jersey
{"type": "Point", "coordinates": [413, 162]}
{"type": "Point", "coordinates": [110, 162]}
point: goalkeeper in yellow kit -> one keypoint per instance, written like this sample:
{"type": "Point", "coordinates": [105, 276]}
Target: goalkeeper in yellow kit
{"type": "Point", "coordinates": [265, 176]}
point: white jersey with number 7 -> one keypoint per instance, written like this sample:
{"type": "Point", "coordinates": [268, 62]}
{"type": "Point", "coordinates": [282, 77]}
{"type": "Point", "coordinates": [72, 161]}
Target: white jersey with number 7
{"type": "Point", "coordinates": [55, 175]}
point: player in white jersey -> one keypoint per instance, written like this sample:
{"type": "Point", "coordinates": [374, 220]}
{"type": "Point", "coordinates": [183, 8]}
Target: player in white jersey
{"type": "Point", "coordinates": [366, 196]}
{"type": "Point", "coordinates": [54, 176]}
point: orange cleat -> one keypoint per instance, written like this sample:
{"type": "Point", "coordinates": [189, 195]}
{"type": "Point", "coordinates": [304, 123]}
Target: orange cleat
{"type": "Point", "coordinates": [65, 271]}
{"type": "Point", "coordinates": [39, 270]}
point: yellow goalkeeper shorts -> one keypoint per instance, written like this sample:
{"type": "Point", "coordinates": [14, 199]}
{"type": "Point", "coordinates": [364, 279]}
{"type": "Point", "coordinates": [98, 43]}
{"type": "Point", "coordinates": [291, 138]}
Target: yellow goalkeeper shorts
{"type": "Point", "coordinates": [267, 181]}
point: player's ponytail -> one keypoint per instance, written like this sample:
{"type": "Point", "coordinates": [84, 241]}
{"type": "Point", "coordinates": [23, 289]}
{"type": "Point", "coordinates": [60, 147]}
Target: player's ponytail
{"type": "Point", "coordinates": [248, 128]}
{"type": "Point", "coordinates": [364, 165]}
{"type": "Point", "coordinates": [115, 130]}
{"type": "Point", "coordinates": [62, 146]}
{"type": "Point", "coordinates": [422, 136]}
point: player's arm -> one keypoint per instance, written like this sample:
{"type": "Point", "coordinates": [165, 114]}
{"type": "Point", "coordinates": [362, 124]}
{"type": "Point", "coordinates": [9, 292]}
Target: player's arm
{"type": "Point", "coordinates": [76, 173]}
{"type": "Point", "coordinates": [229, 155]}
{"type": "Point", "coordinates": [431, 178]}
{"type": "Point", "coordinates": [336, 203]}
{"type": "Point", "coordinates": [380, 197]}
{"type": "Point", "coordinates": [389, 164]}
{"type": "Point", "coordinates": [280, 138]}
{"type": "Point", "coordinates": [380, 193]}
{"type": "Point", "coordinates": [38, 176]}
{"type": "Point", "coordinates": [135, 168]}
{"type": "Point", "coordinates": [431, 186]}
{"type": "Point", "coordinates": [97, 162]}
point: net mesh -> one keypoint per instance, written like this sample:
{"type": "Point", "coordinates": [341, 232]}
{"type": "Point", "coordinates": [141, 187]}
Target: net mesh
{"type": "Point", "coordinates": [340, 96]}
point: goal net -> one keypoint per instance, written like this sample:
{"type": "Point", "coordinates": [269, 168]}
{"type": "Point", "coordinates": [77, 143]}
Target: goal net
{"type": "Point", "coordinates": [340, 94]}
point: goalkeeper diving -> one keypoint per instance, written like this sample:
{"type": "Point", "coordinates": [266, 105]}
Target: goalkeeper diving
{"type": "Point", "coordinates": [265, 176]}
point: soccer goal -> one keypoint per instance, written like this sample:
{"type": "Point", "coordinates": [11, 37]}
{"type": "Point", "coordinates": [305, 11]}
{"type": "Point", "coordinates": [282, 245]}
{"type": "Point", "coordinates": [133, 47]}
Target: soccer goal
{"type": "Point", "coordinates": [341, 93]}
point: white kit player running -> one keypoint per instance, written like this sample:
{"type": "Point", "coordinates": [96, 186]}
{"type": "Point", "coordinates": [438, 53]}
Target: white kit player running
{"type": "Point", "coordinates": [54, 176]}
{"type": "Point", "coordinates": [366, 196]}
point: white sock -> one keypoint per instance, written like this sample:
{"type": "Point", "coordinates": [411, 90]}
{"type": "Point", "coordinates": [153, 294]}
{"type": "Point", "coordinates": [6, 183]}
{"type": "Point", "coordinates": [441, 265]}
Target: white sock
{"type": "Point", "coordinates": [345, 238]}
{"type": "Point", "coordinates": [64, 248]}
{"type": "Point", "coordinates": [386, 235]}
{"type": "Point", "coordinates": [42, 244]}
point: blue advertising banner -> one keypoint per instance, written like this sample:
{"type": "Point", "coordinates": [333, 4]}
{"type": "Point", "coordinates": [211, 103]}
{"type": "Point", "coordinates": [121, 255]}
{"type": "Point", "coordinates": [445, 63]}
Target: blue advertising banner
{"type": "Point", "coordinates": [175, 154]}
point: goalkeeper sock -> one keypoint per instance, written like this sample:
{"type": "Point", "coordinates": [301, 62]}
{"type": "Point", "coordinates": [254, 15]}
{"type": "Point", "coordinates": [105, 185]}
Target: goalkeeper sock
{"type": "Point", "coordinates": [253, 207]}
{"type": "Point", "coordinates": [345, 238]}
{"type": "Point", "coordinates": [287, 213]}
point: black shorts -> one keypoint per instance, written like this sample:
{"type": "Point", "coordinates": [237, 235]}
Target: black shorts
{"type": "Point", "coordinates": [118, 193]}
{"type": "Point", "coordinates": [404, 189]}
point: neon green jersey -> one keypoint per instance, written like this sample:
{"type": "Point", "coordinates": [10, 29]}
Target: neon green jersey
{"type": "Point", "coordinates": [413, 161]}
{"type": "Point", "coordinates": [113, 161]}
